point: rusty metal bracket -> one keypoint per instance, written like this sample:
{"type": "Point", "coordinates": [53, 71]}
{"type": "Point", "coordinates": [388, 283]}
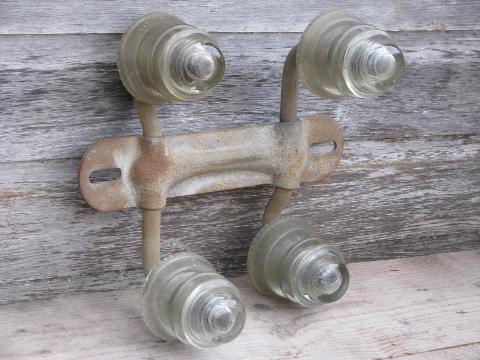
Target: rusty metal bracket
{"type": "Point", "coordinates": [155, 167]}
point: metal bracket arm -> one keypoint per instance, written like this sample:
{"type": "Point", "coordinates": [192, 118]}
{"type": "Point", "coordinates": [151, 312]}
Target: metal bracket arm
{"type": "Point", "coordinates": [154, 168]}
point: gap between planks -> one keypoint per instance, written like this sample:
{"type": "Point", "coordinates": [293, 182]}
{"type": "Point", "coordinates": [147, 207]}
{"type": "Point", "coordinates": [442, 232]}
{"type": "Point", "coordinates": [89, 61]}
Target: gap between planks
{"type": "Point", "coordinates": [460, 352]}
{"type": "Point", "coordinates": [47, 16]}
{"type": "Point", "coordinates": [414, 308]}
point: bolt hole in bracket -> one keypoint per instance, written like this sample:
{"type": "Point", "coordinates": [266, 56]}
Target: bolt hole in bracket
{"type": "Point", "coordinates": [161, 60]}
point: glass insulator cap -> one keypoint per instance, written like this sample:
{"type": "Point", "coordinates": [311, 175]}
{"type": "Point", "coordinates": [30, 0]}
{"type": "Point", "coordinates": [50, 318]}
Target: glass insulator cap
{"type": "Point", "coordinates": [339, 55]}
{"type": "Point", "coordinates": [372, 64]}
{"type": "Point", "coordinates": [214, 316]}
{"type": "Point", "coordinates": [192, 65]}
{"type": "Point", "coordinates": [317, 275]}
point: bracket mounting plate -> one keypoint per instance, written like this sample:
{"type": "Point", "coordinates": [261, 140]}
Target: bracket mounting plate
{"type": "Point", "coordinates": [153, 169]}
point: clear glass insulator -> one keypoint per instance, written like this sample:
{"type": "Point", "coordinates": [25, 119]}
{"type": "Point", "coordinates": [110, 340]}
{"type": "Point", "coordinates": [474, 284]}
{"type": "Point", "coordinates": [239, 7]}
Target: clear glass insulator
{"type": "Point", "coordinates": [186, 300]}
{"type": "Point", "coordinates": [162, 59]}
{"type": "Point", "coordinates": [289, 259]}
{"type": "Point", "coordinates": [339, 55]}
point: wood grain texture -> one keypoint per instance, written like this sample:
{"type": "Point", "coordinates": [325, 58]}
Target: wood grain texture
{"type": "Point", "coordinates": [397, 309]}
{"type": "Point", "coordinates": [60, 94]}
{"type": "Point", "coordinates": [461, 352]}
{"type": "Point", "coordinates": [388, 199]}
{"type": "Point", "coordinates": [90, 16]}
{"type": "Point", "coordinates": [409, 184]}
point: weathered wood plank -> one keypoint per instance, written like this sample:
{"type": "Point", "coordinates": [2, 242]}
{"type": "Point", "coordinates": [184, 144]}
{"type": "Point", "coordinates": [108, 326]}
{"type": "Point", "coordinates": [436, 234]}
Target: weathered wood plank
{"type": "Point", "coordinates": [462, 352]}
{"type": "Point", "coordinates": [426, 304]}
{"type": "Point", "coordinates": [388, 199]}
{"type": "Point", "coordinates": [89, 16]}
{"type": "Point", "coordinates": [62, 93]}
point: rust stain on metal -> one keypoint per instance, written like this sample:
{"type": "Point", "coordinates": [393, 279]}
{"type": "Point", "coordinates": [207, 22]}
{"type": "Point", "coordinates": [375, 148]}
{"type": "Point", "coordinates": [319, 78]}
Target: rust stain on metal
{"type": "Point", "coordinates": [150, 172]}
{"type": "Point", "coordinates": [156, 168]}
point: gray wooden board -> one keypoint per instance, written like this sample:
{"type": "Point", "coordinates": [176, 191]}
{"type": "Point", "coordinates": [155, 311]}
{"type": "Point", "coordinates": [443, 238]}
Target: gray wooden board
{"type": "Point", "coordinates": [61, 93]}
{"type": "Point", "coordinates": [416, 308]}
{"type": "Point", "coordinates": [417, 193]}
{"type": "Point", "coordinates": [462, 352]}
{"type": "Point", "coordinates": [389, 198]}
{"type": "Point", "coordinates": [90, 16]}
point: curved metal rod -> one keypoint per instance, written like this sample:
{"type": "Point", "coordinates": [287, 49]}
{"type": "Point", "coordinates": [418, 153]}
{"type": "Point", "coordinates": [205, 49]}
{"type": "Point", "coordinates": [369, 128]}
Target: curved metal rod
{"type": "Point", "coordinates": [288, 112]}
{"type": "Point", "coordinates": [276, 204]}
{"type": "Point", "coordinates": [289, 95]}
{"type": "Point", "coordinates": [151, 218]}
{"type": "Point", "coordinates": [149, 119]}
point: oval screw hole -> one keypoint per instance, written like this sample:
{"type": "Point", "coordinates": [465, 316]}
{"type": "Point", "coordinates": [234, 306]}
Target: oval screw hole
{"type": "Point", "coordinates": [323, 148]}
{"type": "Point", "coordinates": [103, 175]}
